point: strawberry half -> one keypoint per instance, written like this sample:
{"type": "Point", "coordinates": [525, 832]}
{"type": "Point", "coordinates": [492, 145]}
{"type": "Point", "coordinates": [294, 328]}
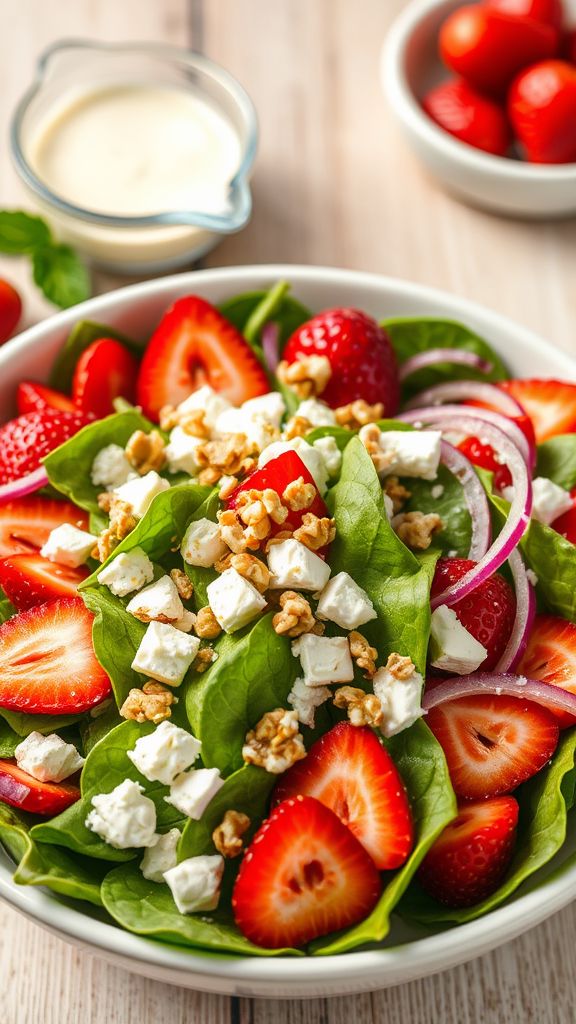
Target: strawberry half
{"type": "Point", "coordinates": [471, 856]}
{"type": "Point", "coordinates": [19, 789]}
{"type": "Point", "coordinates": [493, 743]}
{"type": "Point", "coordinates": [106, 370]}
{"type": "Point", "coordinates": [26, 440]}
{"type": "Point", "coordinates": [487, 613]}
{"type": "Point", "coordinates": [350, 772]}
{"type": "Point", "coordinates": [484, 455]}
{"type": "Point", "coordinates": [550, 404]}
{"type": "Point", "coordinates": [47, 661]}
{"type": "Point", "coordinates": [565, 524]}
{"type": "Point", "coordinates": [29, 579]}
{"type": "Point", "coordinates": [34, 397]}
{"type": "Point", "coordinates": [195, 345]}
{"type": "Point", "coordinates": [360, 353]}
{"type": "Point", "coordinates": [551, 657]}
{"type": "Point", "coordinates": [304, 875]}
{"type": "Point", "coordinates": [25, 524]}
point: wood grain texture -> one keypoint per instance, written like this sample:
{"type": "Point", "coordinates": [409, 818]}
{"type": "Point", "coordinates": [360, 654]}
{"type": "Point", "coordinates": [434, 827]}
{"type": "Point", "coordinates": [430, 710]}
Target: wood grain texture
{"type": "Point", "coordinates": [333, 185]}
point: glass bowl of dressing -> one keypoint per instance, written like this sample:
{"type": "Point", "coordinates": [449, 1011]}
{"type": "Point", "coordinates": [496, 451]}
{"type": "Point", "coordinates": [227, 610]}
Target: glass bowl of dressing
{"type": "Point", "coordinates": [138, 154]}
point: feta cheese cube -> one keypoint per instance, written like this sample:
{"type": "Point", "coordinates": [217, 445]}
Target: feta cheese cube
{"type": "Point", "coordinates": [310, 455]}
{"type": "Point", "coordinates": [257, 429]}
{"type": "Point", "coordinates": [160, 857]}
{"type": "Point", "coordinates": [127, 572]}
{"type": "Point", "coordinates": [342, 601]}
{"type": "Point", "coordinates": [389, 506]}
{"type": "Point", "coordinates": [271, 407]}
{"type": "Point", "coordinates": [111, 468]}
{"type": "Point", "coordinates": [400, 700]}
{"type": "Point", "coordinates": [195, 883]}
{"type": "Point", "coordinates": [47, 758]}
{"type": "Point", "coordinates": [549, 500]}
{"type": "Point", "coordinates": [160, 601]}
{"type": "Point", "coordinates": [186, 622]}
{"type": "Point", "coordinates": [140, 492]}
{"type": "Point", "coordinates": [191, 792]}
{"type": "Point", "coordinates": [202, 543]}
{"type": "Point", "coordinates": [305, 699]}
{"type": "Point", "coordinates": [211, 402]}
{"type": "Point", "coordinates": [324, 659]}
{"type": "Point", "coordinates": [165, 653]}
{"type": "Point", "coordinates": [68, 545]}
{"type": "Point", "coordinates": [234, 600]}
{"type": "Point", "coordinates": [317, 413]}
{"type": "Point", "coordinates": [181, 452]}
{"type": "Point", "coordinates": [452, 647]}
{"type": "Point", "coordinates": [410, 452]}
{"type": "Point", "coordinates": [330, 453]}
{"type": "Point", "coordinates": [124, 818]}
{"type": "Point", "coordinates": [295, 567]}
{"type": "Point", "coordinates": [166, 752]}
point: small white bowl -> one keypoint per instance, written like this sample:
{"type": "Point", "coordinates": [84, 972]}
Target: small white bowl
{"type": "Point", "coordinates": [410, 67]}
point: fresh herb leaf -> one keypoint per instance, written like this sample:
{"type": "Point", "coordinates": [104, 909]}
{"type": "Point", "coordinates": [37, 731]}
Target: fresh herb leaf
{"type": "Point", "coordinates": [83, 334]}
{"type": "Point", "coordinates": [60, 275]}
{"type": "Point", "coordinates": [557, 460]}
{"type": "Point", "coordinates": [21, 233]}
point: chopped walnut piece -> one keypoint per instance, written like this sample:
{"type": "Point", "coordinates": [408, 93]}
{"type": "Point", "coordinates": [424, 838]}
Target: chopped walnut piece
{"type": "Point", "coordinates": [228, 485]}
{"type": "Point", "coordinates": [370, 437]}
{"type": "Point", "coordinates": [223, 456]}
{"type": "Point", "coordinates": [270, 501]}
{"type": "Point", "coordinates": [400, 666]}
{"type": "Point", "coordinates": [169, 417]}
{"type": "Point", "coordinates": [357, 414]}
{"type": "Point", "coordinates": [275, 743]}
{"type": "Point", "coordinates": [122, 522]}
{"type": "Point", "coordinates": [146, 451]}
{"type": "Point", "coordinates": [183, 584]}
{"type": "Point", "coordinates": [299, 495]}
{"type": "Point", "coordinates": [416, 529]}
{"type": "Point", "coordinates": [397, 493]}
{"type": "Point", "coordinates": [232, 531]}
{"type": "Point", "coordinates": [315, 533]}
{"type": "Point", "coordinates": [227, 836]}
{"type": "Point", "coordinates": [194, 423]}
{"type": "Point", "coordinates": [297, 426]}
{"type": "Point", "coordinates": [363, 654]}
{"type": "Point", "coordinates": [150, 704]}
{"type": "Point", "coordinates": [248, 566]}
{"type": "Point", "coordinates": [362, 708]}
{"type": "Point", "coordinates": [296, 616]}
{"type": "Point", "coordinates": [307, 376]}
{"type": "Point", "coordinates": [207, 626]}
{"type": "Point", "coordinates": [206, 656]}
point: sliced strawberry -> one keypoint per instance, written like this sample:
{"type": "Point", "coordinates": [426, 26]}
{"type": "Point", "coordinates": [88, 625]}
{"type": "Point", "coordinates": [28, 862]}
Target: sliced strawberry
{"type": "Point", "coordinates": [106, 370]}
{"type": "Point", "coordinates": [493, 743]}
{"type": "Point", "coordinates": [34, 397]}
{"type": "Point", "coordinates": [29, 579]}
{"type": "Point", "coordinates": [360, 353]}
{"type": "Point", "coordinates": [550, 404]}
{"type": "Point", "coordinates": [195, 345]}
{"type": "Point", "coordinates": [19, 789]}
{"type": "Point", "coordinates": [304, 875]}
{"type": "Point", "coordinates": [26, 440]}
{"type": "Point", "coordinates": [487, 613]}
{"type": "Point", "coordinates": [25, 524]}
{"type": "Point", "coordinates": [566, 523]}
{"type": "Point", "coordinates": [551, 657]}
{"type": "Point", "coordinates": [350, 772]}
{"type": "Point", "coordinates": [483, 455]}
{"type": "Point", "coordinates": [471, 856]}
{"type": "Point", "coordinates": [47, 661]}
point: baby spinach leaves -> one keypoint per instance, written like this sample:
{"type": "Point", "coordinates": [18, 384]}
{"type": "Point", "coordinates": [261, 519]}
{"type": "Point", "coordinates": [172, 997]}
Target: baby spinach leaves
{"type": "Point", "coordinates": [247, 791]}
{"type": "Point", "coordinates": [557, 460]}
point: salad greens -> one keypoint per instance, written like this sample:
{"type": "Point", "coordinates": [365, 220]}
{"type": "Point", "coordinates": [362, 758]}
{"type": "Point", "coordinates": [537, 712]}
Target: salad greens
{"type": "Point", "coordinates": [557, 460]}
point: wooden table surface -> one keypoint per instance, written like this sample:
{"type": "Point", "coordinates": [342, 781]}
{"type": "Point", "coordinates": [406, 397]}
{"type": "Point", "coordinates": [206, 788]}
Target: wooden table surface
{"type": "Point", "coordinates": [333, 185]}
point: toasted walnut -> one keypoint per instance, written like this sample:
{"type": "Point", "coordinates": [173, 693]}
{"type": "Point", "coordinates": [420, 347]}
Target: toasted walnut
{"type": "Point", "coordinates": [232, 531]}
{"type": "Point", "coordinates": [169, 417]}
{"type": "Point", "coordinates": [150, 704]}
{"type": "Point", "coordinates": [228, 485]}
{"type": "Point", "coordinates": [400, 666]}
{"type": "Point", "coordinates": [275, 743]}
{"type": "Point", "coordinates": [183, 584]}
{"type": "Point", "coordinates": [269, 499]}
{"type": "Point", "coordinates": [299, 495]}
{"type": "Point", "coordinates": [297, 426]}
{"type": "Point", "coordinates": [296, 616]}
{"type": "Point", "coordinates": [307, 376]}
{"type": "Point", "coordinates": [207, 626]}
{"type": "Point", "coordinates": [362, 708]}
{"type": "Point", "coordinates": [224, 456]}
{"type": "Point", "coordinates": [397, 493]}
{"type": "Point", "coordinates": [357, 414]}
{"type": "Point", "coordinates": [146, 451]}
{"type": "Point", "coordinates": [194, 423]}
{"type": "Point", "coordinates": [370, 437]}
{"type": "Point", "coordinates": [206, 656]}
{"type": "Point", "coordinates": [105, 499]}
{"type": "Point", "coordinates": [122, 522]}
{"type": "Point", "coordinates": [416, 529]}
{"type": "Point", "coordinates": [278, 538]}
{"type": "Point", "coordinates": [227, 836]}
{"type": "Point", "coordinates": [364, 655]}
{"type": "Point", "coordinates": [315, 533]}
{"type": "Point", "coordinates": [251, 568]}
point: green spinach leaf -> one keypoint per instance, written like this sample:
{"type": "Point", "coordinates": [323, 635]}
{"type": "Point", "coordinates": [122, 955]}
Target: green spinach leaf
{"type": "Point", "coordinates": [116, 636]}
{"type": "Point", "coordinates": [9, 739]}
{"type": "Point", "coordinates": [557, 460]}
{"type": "Point", "coordinates": [23, 724]}
{"type": "Point", "coordinates": [247, 790]}
{"type": "Point", "coordinates": [456, 532]}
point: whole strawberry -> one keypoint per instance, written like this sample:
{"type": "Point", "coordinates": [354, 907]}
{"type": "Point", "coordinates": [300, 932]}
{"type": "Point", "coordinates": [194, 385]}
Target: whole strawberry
{"type": "Point", "coordinates": [487, 613]}
{"type": "Point", "coordinates": [360, 354]}
{"type": "Point", "coordinates": [26, 440]}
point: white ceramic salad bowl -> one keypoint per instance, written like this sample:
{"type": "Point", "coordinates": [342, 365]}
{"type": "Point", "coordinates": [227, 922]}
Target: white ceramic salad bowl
{"type": "Point", "coordinates": [409, 952]}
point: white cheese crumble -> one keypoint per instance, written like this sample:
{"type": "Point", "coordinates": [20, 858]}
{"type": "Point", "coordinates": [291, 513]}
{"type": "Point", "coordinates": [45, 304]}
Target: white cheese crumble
{"type": "Point", "coordinates": [140, 492]}
{"type": "Point", "coordinates": [234, 600]}
{"type": "Point", "coordinates": [452, 647]}
{"type": "Point", "coordinates": [165, 653]}
{"type": "Point", "coordinates": [400, 700]}
{"type": "Point", "coordinates": [127, 572]}
{"type": "Point", "coordinates": [68, 545]}
{"type": "Point", "coordinates": [192, 791]}
{"type": "Point", "coordinates": [158, 599]}
{"type": "Point", "coordinates": [124, 818]}
{"type": "Point", "coordinates": [295, 567]}
{"type": "Point", "coordinates": [181, 452]}
{"type": "Point", "coordinates": [195, 883]}
{"type": "Point", "coordinates": [330, 453]}
{"type": "Point", "coordinates": [111, 468]}
{"type": "Point", "coordinates": [317, 413]}
{"type": "Point", "coordinates": [549, 500]}
{"type": "Point", "coordinates": [47, 758]}
{"type": "Point", "coordinates": [202, 543]}
{"type": "Point", "coordinates": [165, 753]}
{"type": "Point", "coordinates": [342, 601]}
{"type": "Point", "coordinates": [305, 699]}
{"type": "Point", "coordinates": [161, 857]}
{"type": "Point", "coordinates": [414, 453]}
{"type": "Point", "coordinates": [324, 659]}
{"type": "Point", "coordinates": [211, 402]}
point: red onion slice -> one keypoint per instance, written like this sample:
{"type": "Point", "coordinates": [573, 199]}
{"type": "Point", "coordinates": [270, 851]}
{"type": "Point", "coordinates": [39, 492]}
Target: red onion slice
{"type": "Point", "coordinates": [459, 356]}
{"type": "Point", "coordinates": [553, 697]}
{"type": "Point", "coordinates": [431, 414]}
{"type": "Point", "coordinates": [475, 497]}
{"type": "Point", "coordinates": [525, 613]}
{"type": "Point", "coordinates": [25, 485]}
{"type": "Point", "coordinates": [271, 345]}
{"type": "Point", "coordinates": [465, 391]}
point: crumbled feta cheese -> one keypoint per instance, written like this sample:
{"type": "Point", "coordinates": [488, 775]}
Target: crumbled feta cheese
{"type": "Point", "coordinates": [195, 883]}
{"type": "Point", "coordinates": [211, 402]}
{"type": "Point", "coordinates": [437, 491]}
{"type": "Point", "coordinates": [140, 492]}
{"type": "Point", "coordinates": [324, 659]}
{"type": "Point", "coordinates": [161, 857]}
{"type": "Point", "coordinates": [47, 758]}
{"type": "Point", "coordinates": [160, 600]}
{"type": "Point", "coordinates": [181, 452]}
{"type": "Point", "coordinates": [389, 506]}
{"type": "Point", "coordinates": [166, 752]}
{"type": "Point", "coordinates": [342, 601]}
{"type": "Point", "coordinates": [186, 622]}
{"type": "Point", "coordinates": [452, 647]}
{"type": "Point", "coordinates": [305, 699]}
{"type": "Point", "coordinates": [165, 653]}
{"type": "Point", "coordinates": [295, 567]}
{"type": "Point", "coordinates": [310, 455]}
{"type": "Point", "coordinates": [127, 572]}
{"type": "Point", "coordinates": [202, 543]}
{"type": "Point", "coordinates": [317, 413]}
{"type": "Point", "coordinates": [234, 600]}
{"type": "Point", "coordinates": [68, 545]}
{"type": "Point", "coordinates": [271, 407]}
{"type": "Point", "coordinates": [413, 453]}
{"type": "Point", "coordinates": [124, 818]}
{"type": "Point", "coordinates": [330, 453]}
{"type": "Point", "coordinates": [400, 700]}
{"type": "Point", "coordinates": [259, 431]}
{"type": "Point", "coordinates": [549, 500]}
{"type": "Point", "coordinates": [191, 792]}
{"type": "Point", "coordinates": [111, 468]}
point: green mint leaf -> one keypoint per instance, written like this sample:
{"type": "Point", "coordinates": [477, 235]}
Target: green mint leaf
{"type": "Point", "coordinates": [21, 233]}
{"type": "Point", "coordinates": [60, 275]}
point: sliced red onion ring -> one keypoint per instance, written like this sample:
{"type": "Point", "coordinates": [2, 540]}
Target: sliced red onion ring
{"type": "Point", "coordinates": [433, 356]}
{"type": "Point", "coordinates": [431, 414]}
{"type": "Point", "coordinates": [25, 485]}
{"type": "Point", "coordinates": [500, 683]}
{"type": "Point", "coordinates": [475, 497]}
{"type": "Point", "coordinates": [465, 391]}
{"type": "Point", "coordinates": [525, 612]}
{"type": "Point", "coordinates": [270, 345]}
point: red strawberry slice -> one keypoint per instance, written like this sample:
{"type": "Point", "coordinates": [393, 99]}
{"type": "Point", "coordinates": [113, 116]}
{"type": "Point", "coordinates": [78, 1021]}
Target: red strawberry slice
{"type": "Point", "coordinates": [19, 789]}
{"type": "Point", "coordinates": [566, 523]}
{"type": "Point", "coordinates": [195, 345]}
{"type": "Point", "coordinates": [471, 856]}
{"type": "Point", "coordinates": [350, 772]}
{"type": "Point", "coordinates": [26, 524]}
{"type": "Point", "coordinates": [47, 661]}
{"type": "Point", "coordinates": [487, 613]}
{"type": "Point", "coordinates": [550, 404]}
{"type": "Point", "coordinates": [360, 354]}
{"type": "Point", "coordinates": [29, 579]}
{"type": "Point", "coordinates": [484, 455]}
{"type": "Point", "coordinates": [493, 743]}
{"type": "Point", "coordinates": [34, 397]}
{"type": "Point", "coordinates": [304, 875]}
{"type": "Point", "coordinates": [551, 657]}
{"type": "Point", "coordinates": [26, 440]}
{"type": "Point", "coordinates": [106, 370]}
